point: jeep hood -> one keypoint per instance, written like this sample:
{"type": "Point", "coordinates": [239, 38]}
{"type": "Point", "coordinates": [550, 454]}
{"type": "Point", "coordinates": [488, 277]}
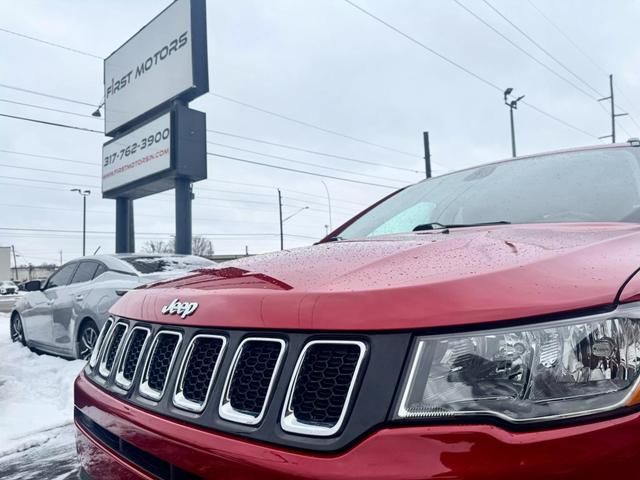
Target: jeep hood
{"type": "Point", "coordinates": [419, 280]}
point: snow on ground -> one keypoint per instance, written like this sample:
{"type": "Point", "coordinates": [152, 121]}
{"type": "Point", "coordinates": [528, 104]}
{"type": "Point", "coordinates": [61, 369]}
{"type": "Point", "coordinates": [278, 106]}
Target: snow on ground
{"type": "Point", "coordinates": [36, 395]}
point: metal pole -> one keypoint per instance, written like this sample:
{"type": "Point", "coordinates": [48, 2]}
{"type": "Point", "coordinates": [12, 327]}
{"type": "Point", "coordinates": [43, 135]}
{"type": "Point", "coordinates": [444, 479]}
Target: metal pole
{"type": "Point", "coordinates": [123, 225]}
{"type": "Point", "coordinates": [281, 223]}
{"type": "Point", "coordinates": [513, 131]}
{"type": "Point", "coordinates": [427, 154]}
{"type": "Point", "coordinates": [183, 215]}
{"type": "Point", "coordinates": [613, 111]}
{"type": "Point", "coordinates": [326, 189]}
{"type": "Point", "coordinates": [15, 262]}
{"type": "Point", "coordinates": [132, 233]}
{"type": "Point", "coordinates": [84, 225]}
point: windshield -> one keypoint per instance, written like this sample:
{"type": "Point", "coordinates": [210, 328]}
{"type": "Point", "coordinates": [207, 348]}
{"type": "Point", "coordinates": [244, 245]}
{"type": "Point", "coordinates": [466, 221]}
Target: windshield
{"type": "Point", "coordinates": [156, 264]}
{"type": "Point", "coordinates": [588, 186]}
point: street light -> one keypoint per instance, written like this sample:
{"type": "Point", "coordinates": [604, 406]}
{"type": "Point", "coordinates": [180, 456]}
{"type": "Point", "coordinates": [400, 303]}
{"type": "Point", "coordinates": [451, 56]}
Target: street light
{"type": "Point", "coordinates": [282, 220]}
{"type": "Point", "coordinates": [294, 214]}
{"type": "Point", "coordinates": [328, 203]}
{"type": "Point", "coordinates": [84, 194]}
{"type": "Point", "coordinates": [97, 113]}
{"type": "Point", "coordinates": [513, 105]}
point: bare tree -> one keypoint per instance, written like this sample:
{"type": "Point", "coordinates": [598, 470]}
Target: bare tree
{"type": "Point", "coordinates": [201, 246]}
{"type": "Point", "coordinates": [158, 246]}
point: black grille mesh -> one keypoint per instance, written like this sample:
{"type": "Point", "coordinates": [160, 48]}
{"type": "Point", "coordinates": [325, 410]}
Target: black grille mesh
{"type": "Point", "coordinates": [321, 389]}
{"type": "Point", "coordinates": [253, 373]}
{"type": "Point", "coordinates": [161, 360]}
{"type": "Point", "coordinates": [199, 370]}
{"type": "Point", "coordinates": [133, 353]}
{"type": "Point", "coordinates": [118, 333]}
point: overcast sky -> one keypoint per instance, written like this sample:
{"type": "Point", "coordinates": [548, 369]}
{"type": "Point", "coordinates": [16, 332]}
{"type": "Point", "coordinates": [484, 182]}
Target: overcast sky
{"type": "Point", "coordinates": [318, 61]}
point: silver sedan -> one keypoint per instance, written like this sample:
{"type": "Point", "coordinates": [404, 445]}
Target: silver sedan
{"type": "Point", "coordinates": [63, 315]}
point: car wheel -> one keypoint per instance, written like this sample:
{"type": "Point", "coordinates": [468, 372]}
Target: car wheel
{"type": "Point", "coordinates": [87, 339]}
{"type": "Point", "coordinates": [16, 330]}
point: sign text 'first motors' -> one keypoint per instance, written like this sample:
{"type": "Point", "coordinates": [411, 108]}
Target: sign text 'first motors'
{"type": "Point", "coordinates": [173, 46]}
{"type": "Point", "coordinates": [165, 61]}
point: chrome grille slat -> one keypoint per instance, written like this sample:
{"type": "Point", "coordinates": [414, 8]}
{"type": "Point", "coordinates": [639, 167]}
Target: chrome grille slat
{"type": "Point", "coordinates": [198, 371]}
{"type": "Point", "coordinates": [130, 359]}
{"type": "Point", "coordinates": [250, 379]}
{"type": "Point", "coordinates": [95, 354]}
{"type": "Point", "coordinates": [321, 387]}
{"type": "Point", "coordinates": [113, 344]}
{"type": "Point", "coordinates": [159, 363]}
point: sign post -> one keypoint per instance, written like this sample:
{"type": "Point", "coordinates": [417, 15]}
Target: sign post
{"type": "Point", "coordinates": [158, 142]}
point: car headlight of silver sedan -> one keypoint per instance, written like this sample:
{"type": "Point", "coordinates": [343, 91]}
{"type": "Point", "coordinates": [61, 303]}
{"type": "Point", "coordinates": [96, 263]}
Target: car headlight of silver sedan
{"type": "Point", "coordinates": [536, 372]}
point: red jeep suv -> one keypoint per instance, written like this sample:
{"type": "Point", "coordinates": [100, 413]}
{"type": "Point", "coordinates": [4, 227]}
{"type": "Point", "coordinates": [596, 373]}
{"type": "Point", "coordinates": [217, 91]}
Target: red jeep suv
{"type": "Point", "coordinates": [484, 324]}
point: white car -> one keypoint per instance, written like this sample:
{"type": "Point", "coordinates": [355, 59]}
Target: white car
{"type": "Point", "coordinates": [64, 315]}
{"type": "Point", "coordinates": [8, 288]}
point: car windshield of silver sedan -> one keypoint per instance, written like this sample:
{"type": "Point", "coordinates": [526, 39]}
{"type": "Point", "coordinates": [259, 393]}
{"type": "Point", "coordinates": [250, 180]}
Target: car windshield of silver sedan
{"type": "Point", "coordinates": [582, 186]}
{"type": "Point", "coordinates": [145, 264]}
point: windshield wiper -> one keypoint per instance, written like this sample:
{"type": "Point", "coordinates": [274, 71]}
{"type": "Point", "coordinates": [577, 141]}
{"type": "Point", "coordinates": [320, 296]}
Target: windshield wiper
{"type": "Point", "coordinates": [440, 226]}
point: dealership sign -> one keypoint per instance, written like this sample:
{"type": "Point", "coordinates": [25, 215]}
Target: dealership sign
{"type": "Point", "coordinates": [166, 60]}
{"type": "Point", "coordinates": [147, 159]}
{"type": "Point", "coordinates": [139, 154]}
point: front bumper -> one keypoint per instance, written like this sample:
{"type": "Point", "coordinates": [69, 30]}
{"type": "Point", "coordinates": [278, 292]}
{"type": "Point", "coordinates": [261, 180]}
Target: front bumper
{"type": "Point", "coordinates": [139, 441]}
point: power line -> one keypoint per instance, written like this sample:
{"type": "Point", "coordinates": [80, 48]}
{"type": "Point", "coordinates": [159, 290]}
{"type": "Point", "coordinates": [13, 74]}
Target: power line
{"type": "Point", "coordinates": [222, 156]}
{"type": "Point", "coordinates": [462, 68]}
{"type": "Point", "coordinates": [314, 152]}
{"type": "Point", "coordinates": [549, 54]}
{"type": "Point", "coordinates": [311, 125]}
{"type": "Point", "coordinates": [272, 187]}
{"type": "Point", "coordinates": [44, 170]}
{"type": "Point", "coordinates": [309, 164]}
{"type": "Point", "coordinates": [138, 214]}
{"type": "Point", "coordinates": [47, 157]}
{"type": "Point", "coordinates": [558, 119]}
{"type": "Point", "coordinates": [252, 162]}
{"type": "Point", "coordinates": [200, 188]}
{"type": "Point", "coordinates": [555, 59]}
{"type": "Point", "coordinates": [52, 44]}
{"type": "Point", "coordinates": [94, 232]}
{"type": "Point", "coordinates": [84, 115]}
{"type": "Point", "coordinates": [527, 53]}
{"type": "Point", "coordinates": [48, 181]}
{"type": "Point", "coordinates": [576, 46]}
{"type": "Point", "coordinates": [73, 127]}
{"type": "Point", "coordinates": [48, 95]}
{"type": "Point", "coordinates": [424, 46]}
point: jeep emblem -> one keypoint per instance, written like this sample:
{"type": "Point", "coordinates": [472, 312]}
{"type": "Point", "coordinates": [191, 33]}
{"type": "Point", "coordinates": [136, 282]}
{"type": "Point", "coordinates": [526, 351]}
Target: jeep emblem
{"type": "Point", "coordinates": [184, 309]}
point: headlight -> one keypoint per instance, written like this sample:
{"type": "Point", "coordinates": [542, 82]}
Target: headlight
{"type": "Point", "coordinates": [537, 372]}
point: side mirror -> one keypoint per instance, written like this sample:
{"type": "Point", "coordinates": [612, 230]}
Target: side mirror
{"type": "Point", "coordinates": [33, 286]}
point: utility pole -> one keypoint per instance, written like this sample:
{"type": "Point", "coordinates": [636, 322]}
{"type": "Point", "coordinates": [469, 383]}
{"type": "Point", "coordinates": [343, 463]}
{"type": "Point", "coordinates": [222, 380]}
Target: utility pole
{"type": "Point", "coordinates": [427, 154]}
{"type": "Point", "coordinates": [326, 189]}
{"type": "Point", "coordinates": [15, 262]}
{"type": "Point", "coordinates": [60, 251]}
{"type": "Point", "coordinates": [280, 211]}
{"type": "Point", "coordinates": [613, 112]}
{"type": "Point", "coordinates": [84, 194]}
{"type": "Point", "coordinates": [513, 105]}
